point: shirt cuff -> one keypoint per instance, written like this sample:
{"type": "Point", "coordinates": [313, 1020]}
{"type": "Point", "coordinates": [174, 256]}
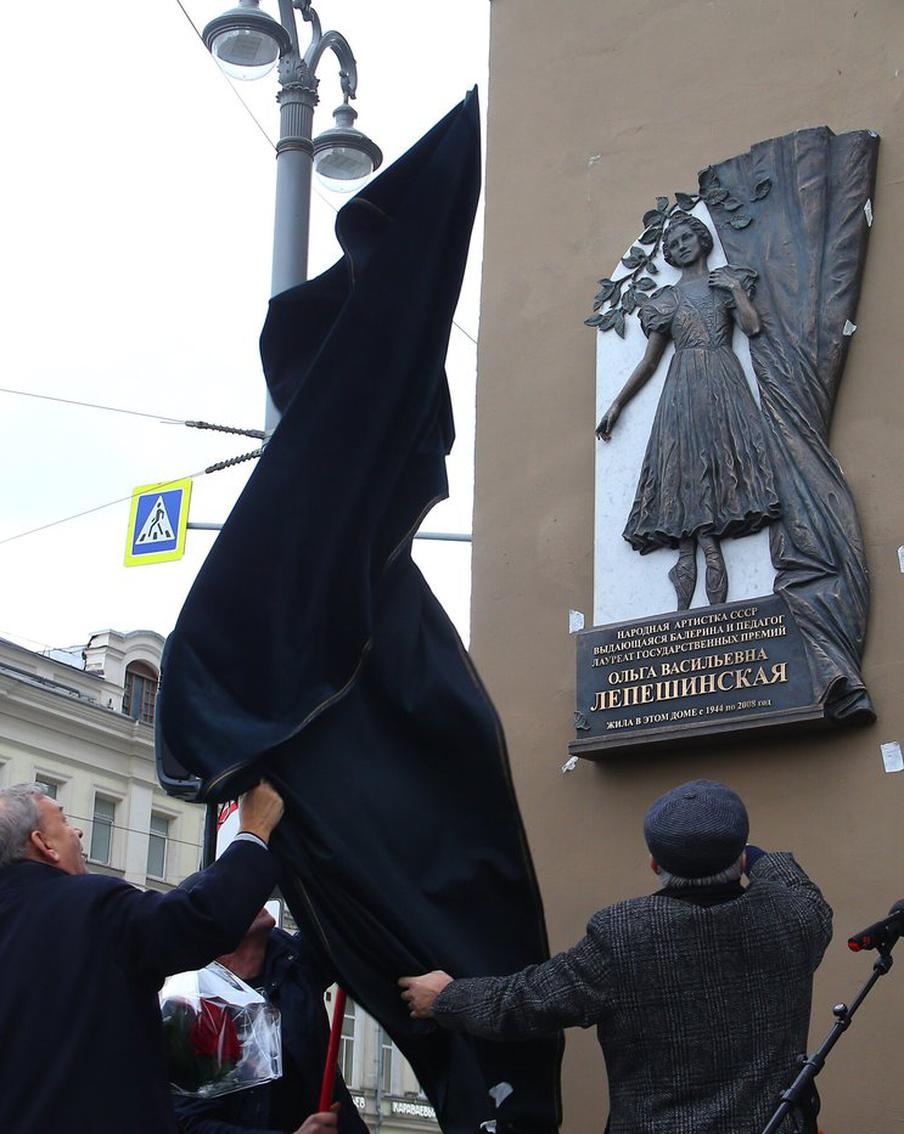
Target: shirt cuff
{"type": "Point", "coordinates": [248, 837]}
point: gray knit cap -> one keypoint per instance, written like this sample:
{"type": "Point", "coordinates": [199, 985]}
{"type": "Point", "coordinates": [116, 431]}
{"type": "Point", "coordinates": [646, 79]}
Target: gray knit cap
{"type": "Point", "coordinates": [696, 829]}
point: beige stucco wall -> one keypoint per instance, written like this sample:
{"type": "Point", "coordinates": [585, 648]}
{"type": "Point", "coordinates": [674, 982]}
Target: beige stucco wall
{"type": "Point", "coordinates": [595, 106]}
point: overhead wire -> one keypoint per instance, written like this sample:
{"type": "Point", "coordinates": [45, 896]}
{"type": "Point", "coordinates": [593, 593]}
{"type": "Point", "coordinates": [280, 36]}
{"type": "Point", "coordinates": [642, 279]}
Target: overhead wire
{"type": "Point", "coordinates": [66, 519]}
{"type": "Point", "coordinates": [219, 466]}
{"type": "Point", "coordinates": [92, 405]}
{"type": "Point", "coordinates": [216, 467]}
{"type": "Point", "coordinates": [134, 830]}
{"type": "Point", "coordinates": [467, 334]}
{"type": "Point", "coordinates": [258, 433]}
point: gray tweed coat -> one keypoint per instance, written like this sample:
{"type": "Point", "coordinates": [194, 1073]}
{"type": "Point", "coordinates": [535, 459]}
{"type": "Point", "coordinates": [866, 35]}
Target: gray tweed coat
{"type": "Point", "coordinates": [700, 1011]}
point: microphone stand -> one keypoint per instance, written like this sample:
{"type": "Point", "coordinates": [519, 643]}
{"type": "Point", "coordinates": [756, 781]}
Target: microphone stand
{"type": "Point", "coordinates": [814, 1063]}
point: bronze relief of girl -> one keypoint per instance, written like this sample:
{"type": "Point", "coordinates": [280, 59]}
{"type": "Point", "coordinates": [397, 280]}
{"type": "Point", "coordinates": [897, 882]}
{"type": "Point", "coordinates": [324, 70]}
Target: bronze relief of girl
{"type": "Point", "coordinates": [706, 473]}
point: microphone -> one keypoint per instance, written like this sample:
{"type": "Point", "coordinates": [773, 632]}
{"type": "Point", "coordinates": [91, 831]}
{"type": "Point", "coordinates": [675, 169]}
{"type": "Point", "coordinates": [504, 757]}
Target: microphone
{"type": "Point", "coordinates": [882, 933]}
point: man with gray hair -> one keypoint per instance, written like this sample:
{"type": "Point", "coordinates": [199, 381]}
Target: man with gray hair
{"type": "Point", "coordinates": [700, 993]}
{"type": "Point", "coordinates": [82, 957]}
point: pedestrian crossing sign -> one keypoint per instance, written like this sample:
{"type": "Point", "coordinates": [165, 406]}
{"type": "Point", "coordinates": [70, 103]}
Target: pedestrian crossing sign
{"type": "Point", "coordinates": [157, 522]}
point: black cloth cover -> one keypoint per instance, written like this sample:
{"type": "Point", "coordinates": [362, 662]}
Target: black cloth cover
{"type": "Point", "coordinates": [311, 649]}
{"type": "Point", "coordinates": [808, 244]}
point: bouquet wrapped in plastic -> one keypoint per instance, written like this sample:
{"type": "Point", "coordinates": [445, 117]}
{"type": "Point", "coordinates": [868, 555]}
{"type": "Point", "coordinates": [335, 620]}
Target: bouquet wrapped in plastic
{"type": "Point", "coordinates": [221, 1035]}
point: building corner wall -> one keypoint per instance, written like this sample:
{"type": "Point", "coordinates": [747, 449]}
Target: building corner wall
{"type": "Point", "coordinates": [595, 107]}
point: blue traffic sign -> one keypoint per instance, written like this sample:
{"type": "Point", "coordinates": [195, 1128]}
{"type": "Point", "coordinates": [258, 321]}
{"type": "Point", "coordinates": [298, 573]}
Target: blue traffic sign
{"type": "Point", "coordinates": [158, 522]}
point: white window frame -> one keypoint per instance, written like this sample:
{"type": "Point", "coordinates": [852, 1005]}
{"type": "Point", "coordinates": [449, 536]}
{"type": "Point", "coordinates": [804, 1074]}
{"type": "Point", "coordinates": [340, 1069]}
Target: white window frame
{"type": "Point", "coordinates": [166, 837]}
{"type": "Point", "coordinates": [390, 1063]}
{"type": "Point", "coordinates": [357, 1043]}
{"type": "Point", "coordinates": [106, 798]}
{"type": "Point", "coordinates": [142, 673]}
{"type": "Point", "coordinates": [51, 779]}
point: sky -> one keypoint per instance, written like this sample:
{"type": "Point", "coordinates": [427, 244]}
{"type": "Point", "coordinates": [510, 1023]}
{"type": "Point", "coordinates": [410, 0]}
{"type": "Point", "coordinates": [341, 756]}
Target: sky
{"type": "Point", "coordinates": [138, 206]}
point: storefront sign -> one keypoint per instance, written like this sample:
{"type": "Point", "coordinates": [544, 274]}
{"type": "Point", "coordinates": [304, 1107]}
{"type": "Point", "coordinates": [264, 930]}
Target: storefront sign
{"type": "Point", "coordinates": [413, 1109]}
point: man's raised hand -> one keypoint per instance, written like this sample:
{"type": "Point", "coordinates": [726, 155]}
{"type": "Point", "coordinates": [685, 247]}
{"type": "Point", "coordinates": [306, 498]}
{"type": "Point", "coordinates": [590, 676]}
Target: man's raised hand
{"type": "Point", "coordinates": [260, 809]}
{"type": "Point", "coordinates": [419, 992]}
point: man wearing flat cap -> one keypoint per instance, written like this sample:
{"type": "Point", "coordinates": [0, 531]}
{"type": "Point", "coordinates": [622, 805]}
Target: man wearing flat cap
{"type": "Point", "coordinates": [700, 992]}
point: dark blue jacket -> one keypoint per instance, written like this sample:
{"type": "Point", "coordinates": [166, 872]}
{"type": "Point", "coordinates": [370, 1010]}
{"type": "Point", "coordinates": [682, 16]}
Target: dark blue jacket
{"type": "Point", "coordinates": [81, 960]}
{"type": "Point", "coordinates": [294, 981]}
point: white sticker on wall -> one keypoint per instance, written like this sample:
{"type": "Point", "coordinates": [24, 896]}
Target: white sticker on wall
{"type": "Point", "coordinates": [575, 621]}
{"type": "Point", "coordinates": [892, 757]}
{"type": "Point", "coordinates": [901, 559]}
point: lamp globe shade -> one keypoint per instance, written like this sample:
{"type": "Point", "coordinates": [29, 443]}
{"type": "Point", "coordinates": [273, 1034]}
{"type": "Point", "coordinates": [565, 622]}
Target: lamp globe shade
{"type": "Point", "coordinates": [344, 158]}
{"type": "Point", "coordinates": [245, 41]}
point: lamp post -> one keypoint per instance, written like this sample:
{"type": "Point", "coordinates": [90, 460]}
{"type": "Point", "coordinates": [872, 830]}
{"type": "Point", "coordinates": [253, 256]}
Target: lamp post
{"type": "Point", "coordinates": [248, 43]}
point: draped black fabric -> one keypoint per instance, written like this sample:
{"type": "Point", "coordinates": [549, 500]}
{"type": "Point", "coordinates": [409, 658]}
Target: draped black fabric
{"type": "Point", "coordinates": [311, 649]}
{"type": "Point", "coordinates": [808, 244]}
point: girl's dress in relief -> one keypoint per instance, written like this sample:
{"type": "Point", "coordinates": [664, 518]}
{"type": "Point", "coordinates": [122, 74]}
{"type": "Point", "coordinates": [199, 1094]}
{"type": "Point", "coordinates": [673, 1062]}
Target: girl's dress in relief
{"type": "Point", "coordinates": [706, 469]}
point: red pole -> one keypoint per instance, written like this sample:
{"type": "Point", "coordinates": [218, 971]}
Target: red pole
{"type": "Point", "coordinates": [332, 1052]}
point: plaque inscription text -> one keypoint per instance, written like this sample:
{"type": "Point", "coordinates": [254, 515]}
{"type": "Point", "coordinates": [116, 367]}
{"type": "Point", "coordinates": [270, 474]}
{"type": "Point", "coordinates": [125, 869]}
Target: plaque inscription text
{"type": "Point", "coordinates": [692, 671]}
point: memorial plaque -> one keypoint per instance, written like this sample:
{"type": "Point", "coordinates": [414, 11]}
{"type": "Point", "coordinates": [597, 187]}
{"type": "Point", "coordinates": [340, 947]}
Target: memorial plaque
{"type": "Point", "coordinates": [736, 667]}
{"type": "Point", "coordinates": [720, 353]}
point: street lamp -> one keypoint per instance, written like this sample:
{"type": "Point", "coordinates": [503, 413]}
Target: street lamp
{"type": "Point", "coordinates": [247, 43]}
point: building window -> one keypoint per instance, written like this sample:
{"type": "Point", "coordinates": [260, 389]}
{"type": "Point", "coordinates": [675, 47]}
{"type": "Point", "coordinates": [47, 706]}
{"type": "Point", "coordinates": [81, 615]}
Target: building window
{"type": "Point", "coordinates": [50, 787]}
{"type": "Point", "coordinates": [388, 1048]}
{"type": "Point", "coordinates": [102, 830]}
{"type": "Point", "coordinates": [140, 693]}
{"type": "Point", "coordinates": [347, 1045]}
{"type": "Point", "coordinates": [157, 845]}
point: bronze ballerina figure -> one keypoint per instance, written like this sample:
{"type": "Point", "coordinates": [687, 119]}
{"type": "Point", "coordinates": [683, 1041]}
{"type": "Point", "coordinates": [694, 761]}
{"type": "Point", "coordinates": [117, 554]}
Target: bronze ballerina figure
{"type": "Point", "coordinates": [706, 473]}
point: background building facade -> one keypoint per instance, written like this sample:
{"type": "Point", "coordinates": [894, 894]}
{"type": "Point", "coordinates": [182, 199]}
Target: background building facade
{"type": "Point", "coordinates": [379, 1078]}
{"type": "Point", "coordinates": [81, 722]}
{"type": "Point", "coordinates": [595, 107]}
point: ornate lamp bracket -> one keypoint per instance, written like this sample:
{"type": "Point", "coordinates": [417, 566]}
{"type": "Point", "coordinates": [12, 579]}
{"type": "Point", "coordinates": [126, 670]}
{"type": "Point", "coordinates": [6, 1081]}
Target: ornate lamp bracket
{"type": "Point", "coordinates": [299, 71]}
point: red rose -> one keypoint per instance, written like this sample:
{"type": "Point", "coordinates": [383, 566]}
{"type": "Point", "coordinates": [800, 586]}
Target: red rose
{"type": "Point", "coordinates": [213, 1034]}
